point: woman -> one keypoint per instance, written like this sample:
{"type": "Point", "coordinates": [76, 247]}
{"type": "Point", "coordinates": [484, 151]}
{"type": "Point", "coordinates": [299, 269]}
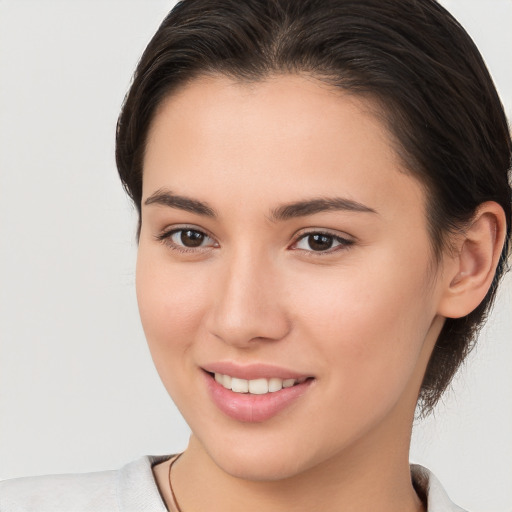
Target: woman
{"type": "Point", "coordinates": [324, 218]}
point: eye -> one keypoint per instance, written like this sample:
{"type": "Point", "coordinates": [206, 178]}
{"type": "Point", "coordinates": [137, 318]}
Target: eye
{"type": "Point", "coordinates": [321, 242]}
{"type": "Point", "coordinates": [187, 239]}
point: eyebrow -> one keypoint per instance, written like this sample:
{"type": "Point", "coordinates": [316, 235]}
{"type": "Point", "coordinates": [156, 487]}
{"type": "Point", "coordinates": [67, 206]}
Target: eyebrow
{"type": "Point", "coordinates": [167, 198]}
{"type": "Point", "coordinates": [281, 213]}
{"type": "Point", "coordinates": [318, 205]}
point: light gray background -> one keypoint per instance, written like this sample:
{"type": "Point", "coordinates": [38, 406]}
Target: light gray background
{"type": "Point", "coordinates": [78, 391]}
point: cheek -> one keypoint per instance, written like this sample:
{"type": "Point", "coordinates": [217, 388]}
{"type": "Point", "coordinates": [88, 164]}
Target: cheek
{"type": "Point", "coordinates": [369, 323]}
{"type": "Point", "coordinates": [170, 304]}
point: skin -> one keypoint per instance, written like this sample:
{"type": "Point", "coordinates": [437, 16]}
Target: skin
{"type": "Point", "coordinates": [361, 318]}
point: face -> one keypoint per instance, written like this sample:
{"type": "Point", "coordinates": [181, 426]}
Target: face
{"type": "Point", "coordinates": [284, 254]}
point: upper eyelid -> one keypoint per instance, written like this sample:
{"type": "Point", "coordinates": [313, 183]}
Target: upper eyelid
{"type": "Point", "coordinates": [169, 230]}
{"type": "Point", "coordinates": [165, 238]}
{"type": "Point", "coordinates": [344, 241]}
{"type": "Point", "coordinates": [323, 231]}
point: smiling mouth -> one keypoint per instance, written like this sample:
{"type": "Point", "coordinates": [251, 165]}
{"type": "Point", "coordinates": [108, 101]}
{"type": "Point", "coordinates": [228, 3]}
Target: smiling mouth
{"type": "Point", "coordinates": [260, 386]}
{"type": "Point", "coordinates": [258, 399]}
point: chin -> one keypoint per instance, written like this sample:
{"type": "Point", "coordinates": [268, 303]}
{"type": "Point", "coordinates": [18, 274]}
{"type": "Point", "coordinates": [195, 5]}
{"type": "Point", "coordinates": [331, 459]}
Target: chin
{"type": "Point", "coordinates": [259, 461]}
{"type": "Point", "coordinates": [258, 470]}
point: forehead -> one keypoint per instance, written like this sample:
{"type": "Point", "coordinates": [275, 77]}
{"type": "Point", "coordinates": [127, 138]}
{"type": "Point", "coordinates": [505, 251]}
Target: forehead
{"type": "Point", "coordinates": [289, 135]}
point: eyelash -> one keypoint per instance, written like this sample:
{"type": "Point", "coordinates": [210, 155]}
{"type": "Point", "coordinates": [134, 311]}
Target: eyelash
{"type": "Point", "coordinates": [166, 239]}
{"type": "Point", "coordinates": [344, 243]}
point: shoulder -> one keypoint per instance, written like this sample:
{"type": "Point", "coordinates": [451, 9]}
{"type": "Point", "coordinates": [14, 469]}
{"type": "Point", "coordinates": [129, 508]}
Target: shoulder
{"type": "Point", "coordinates": [88, 491]}
{"type": "Point", "coordinates": [131, 488]}
{"type": "Point", "coordinates": [431, 490]}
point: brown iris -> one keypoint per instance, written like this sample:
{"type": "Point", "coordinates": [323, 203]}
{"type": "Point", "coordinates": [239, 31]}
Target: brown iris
{"type": "Point", "coordinates": [320, 242]}
{"type": "Point", "coordinates": [191, 238]}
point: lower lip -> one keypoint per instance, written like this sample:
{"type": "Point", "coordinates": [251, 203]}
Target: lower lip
{"type": "Point", "coordinates": [250, 408]}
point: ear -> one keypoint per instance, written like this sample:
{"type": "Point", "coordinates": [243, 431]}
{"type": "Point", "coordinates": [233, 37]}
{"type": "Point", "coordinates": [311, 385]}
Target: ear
{"type": "Point", "coordinates": [469, 272]}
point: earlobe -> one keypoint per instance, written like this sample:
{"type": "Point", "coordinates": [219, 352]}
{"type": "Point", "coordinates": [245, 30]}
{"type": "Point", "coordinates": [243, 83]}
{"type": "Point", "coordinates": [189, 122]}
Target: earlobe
{"type": "Point", "coordinates": [470, 272]}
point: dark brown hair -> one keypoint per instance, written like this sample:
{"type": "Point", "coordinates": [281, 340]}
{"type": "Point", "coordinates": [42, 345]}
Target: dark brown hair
{"type": "Point", "coordinates": [410, 57]}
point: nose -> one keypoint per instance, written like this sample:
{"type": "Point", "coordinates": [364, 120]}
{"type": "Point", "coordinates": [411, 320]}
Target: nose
{"type": "Point", "coordinates": [248, 305]}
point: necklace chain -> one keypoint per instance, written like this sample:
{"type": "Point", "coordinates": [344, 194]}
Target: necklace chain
{"type": "Point", "coordinates": [175, 501]}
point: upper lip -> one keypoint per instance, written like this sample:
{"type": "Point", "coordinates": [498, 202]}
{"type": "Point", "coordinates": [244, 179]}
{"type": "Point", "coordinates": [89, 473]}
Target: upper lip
{"type": "Point", "coordinates": [252, 371]}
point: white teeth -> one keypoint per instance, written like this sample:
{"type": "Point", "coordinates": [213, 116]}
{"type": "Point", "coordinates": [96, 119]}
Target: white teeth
{"type": "Point", "coordinates": [256, 386]}
{"type": "Point", "coordinates": [226, 381]}
{"type": "Point", "coordinates": [275, 384]}
{"type": "Point", "coordinates": [239, 385]}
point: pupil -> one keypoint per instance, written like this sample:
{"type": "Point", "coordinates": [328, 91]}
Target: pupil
{"type": "Point", "coordinates": [320, 242]}
{"type": "Point", "coordinates": [191, 238]}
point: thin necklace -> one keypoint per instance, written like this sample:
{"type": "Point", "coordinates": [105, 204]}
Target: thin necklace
{"type": "Point", "coordinates": [175, 501]}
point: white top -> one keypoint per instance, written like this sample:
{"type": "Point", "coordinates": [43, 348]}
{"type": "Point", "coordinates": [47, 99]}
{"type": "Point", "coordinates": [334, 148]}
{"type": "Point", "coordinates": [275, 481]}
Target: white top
{"type": "Point", "coordinates": [133, 489]}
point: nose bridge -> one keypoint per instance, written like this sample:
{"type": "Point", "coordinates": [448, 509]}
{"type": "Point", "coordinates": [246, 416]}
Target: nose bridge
{"type": "Point", "coordinates": [248, 302]}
